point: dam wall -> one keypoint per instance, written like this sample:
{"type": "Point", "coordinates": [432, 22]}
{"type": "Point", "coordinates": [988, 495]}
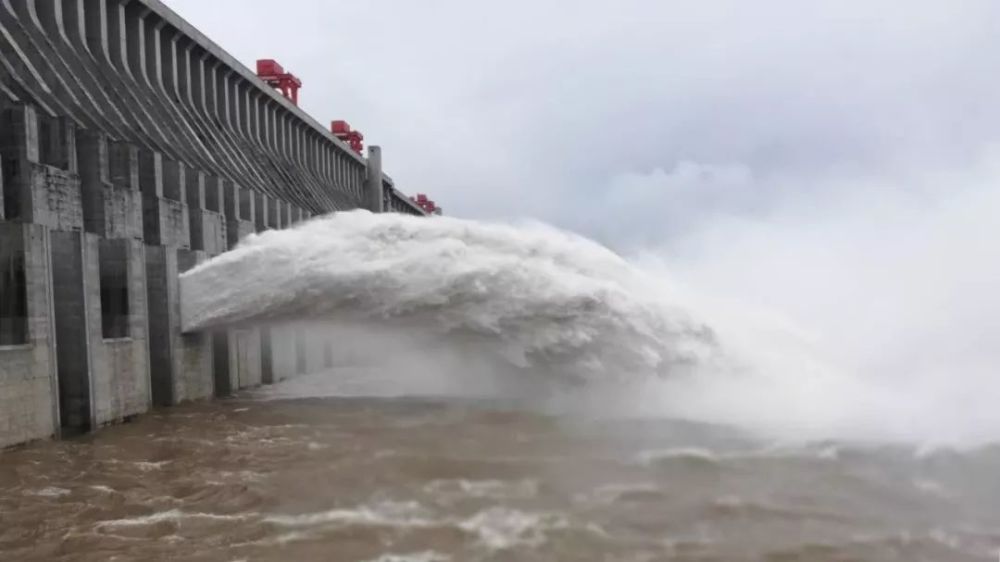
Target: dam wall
{"type": "Point", "coordinates": [133, 148]}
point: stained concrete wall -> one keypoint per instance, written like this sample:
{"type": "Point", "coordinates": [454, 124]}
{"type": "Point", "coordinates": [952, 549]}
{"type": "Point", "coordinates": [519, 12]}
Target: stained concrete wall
{"type": "Point", "coordinates": [244, 358]}
{"type": "Point", "coordinates": [28, 408]}
{"type": "Point", "coordinates": [284, 352]}
{"type": "Point", "coordinates": [120, 367]}
{"type": "Point", "coordinates": [72, 282]}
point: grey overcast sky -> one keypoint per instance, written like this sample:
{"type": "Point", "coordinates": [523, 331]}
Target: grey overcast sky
{"type": "Point", "coordinates": [636, 120]}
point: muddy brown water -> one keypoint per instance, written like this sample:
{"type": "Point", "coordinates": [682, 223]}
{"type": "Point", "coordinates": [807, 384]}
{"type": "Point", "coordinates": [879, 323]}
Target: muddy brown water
{"type": "Point", "coordinates": [269, 477]}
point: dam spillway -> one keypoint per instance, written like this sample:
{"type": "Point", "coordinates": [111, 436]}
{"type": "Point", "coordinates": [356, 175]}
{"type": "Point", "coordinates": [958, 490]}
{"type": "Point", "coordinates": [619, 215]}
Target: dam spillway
{"type": "Point", "coordinates": [134, 148]}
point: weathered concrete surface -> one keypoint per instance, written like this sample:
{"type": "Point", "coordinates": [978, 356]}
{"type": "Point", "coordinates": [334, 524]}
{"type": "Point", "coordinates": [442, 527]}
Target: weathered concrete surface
{"type": "Point", "coordinates": [181, 363]}
{"type": "Point", "coordinates": [245, 358]}
{"type": "Point", "coordinates": [120, 366]}
{"type": "Point", "coordinates": [284, 352]}
{"type": "Point", "coordinates": [28, 408]}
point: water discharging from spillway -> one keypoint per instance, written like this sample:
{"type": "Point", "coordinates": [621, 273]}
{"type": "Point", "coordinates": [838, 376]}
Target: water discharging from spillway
{"type": "Point", "coordinates": [540, 301]}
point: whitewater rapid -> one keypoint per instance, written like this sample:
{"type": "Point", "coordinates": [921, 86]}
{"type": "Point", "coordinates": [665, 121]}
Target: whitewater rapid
{"type": "Point", "coordinates": [538, 297]}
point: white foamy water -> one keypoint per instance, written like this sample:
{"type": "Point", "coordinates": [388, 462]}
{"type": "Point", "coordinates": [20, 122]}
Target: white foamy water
{"type": "Point", "coordinates": [531, 295]}
{"type": "Point", "coordinates": [458, 307]}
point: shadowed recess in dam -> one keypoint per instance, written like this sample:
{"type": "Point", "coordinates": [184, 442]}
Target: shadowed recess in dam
{"type": "Point", "coordinates": [530, 295]}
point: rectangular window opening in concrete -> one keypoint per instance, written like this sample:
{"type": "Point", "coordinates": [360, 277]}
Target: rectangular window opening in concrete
{"type": "Point", "coordinates": [114, 292]}
{"type": "Point", "coordinates": [13, 296]}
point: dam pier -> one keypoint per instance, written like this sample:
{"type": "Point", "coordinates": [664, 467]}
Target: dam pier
{"type": "Point", "coordinates": [133, 148]}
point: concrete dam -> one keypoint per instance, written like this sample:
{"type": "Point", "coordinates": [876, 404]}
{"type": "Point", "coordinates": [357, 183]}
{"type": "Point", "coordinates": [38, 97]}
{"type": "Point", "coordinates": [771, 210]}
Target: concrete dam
{"type": "Point", "coordinates": [134, 148]}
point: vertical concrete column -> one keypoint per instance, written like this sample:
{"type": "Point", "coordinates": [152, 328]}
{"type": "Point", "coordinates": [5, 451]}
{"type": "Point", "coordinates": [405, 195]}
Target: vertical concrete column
{"type": "Point", "coordinates": [208, 227]}
{"type": "Point", "coordinates": [181, 365]}
{"type": "Point", "coordinates": [19, 145]}
{"type": "Point", "coordinates": [260, 211]}
{"type": "Point", "coordinates": [72, 310]}
{"type": "Point", "coordinates": [123, 161]}
{"type": "Point", "coordinates": [373, 180]}
{"type": "Point", "coordinates": [245, 358]}
{"type": "Point", "coordinates": [239, 209]}
{"type": "Point", "coordinates": [283, 348]}
{"type": "Point", "coordinates": [196, 375]}
{"type": "Point", "coordinates": [95, 174]}
{"type": "Point", "coordinates": [165, 216]}
{"type": "Point", "coordinates": [247, 203]}
{"type": "Point", "coordinates": [274, 213]}
{"type": "Point", "coordinates": [29, 406]}
{"type": "Point", "coordinates": [164, 308]}
{"type": "Point", "coordinates": [123, 202]}
{"type": "Point", "coordinates": [266, 356]}
{"type": "Point", "coordinates": [151, 186]}
{"type": "Point", "coordinates": [194, 187]}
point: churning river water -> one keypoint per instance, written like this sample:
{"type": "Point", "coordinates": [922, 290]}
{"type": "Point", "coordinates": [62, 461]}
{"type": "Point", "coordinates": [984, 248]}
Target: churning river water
{"type": "Point", "coordinates": [292, 473]}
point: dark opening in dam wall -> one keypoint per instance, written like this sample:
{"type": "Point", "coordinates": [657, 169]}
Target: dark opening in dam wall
{"type": "Point", "coordinates": [133, 148]}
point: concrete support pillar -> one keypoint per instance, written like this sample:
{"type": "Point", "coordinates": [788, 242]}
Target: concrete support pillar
{"type": "Point", "coordinates": [123, 161]}
{"type": "Point", "coordinates": [95, 175]}
{"type": "Point", "coordinates": [207, 227]}
{"type": "Point", "coordinates": [119, 196]}
{"type": "Point", "coordinates": [238, 352]}
{"type": "Point", "coordinates": [165, 215]}
{"type": "Point", "coordinates": [373, 180]}
{"type": "Point", "coordinates": [181, 364]}
{"type": "Point", "coordinates": [194, 188]}
{"type": "Point", "coordinates": [28, 385]}
{"type": "Point", "coordinates": [274, 213]}
{"type": "Point", "coordinates": [19, 146]}
{"type": "Point", "coordinates": [70, 256]}
{"type": "Point", "coordinates": [266, 355]}
{"type": "Point", "coordinates": [283, 349]}
{"type": "Point", "coordinates": [261, 211]}
{"type": "Point", "coordinates": [240, 210]}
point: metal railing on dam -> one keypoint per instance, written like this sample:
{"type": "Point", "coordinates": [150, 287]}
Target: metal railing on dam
{"type": "Point", "coordinates": [132, 147]}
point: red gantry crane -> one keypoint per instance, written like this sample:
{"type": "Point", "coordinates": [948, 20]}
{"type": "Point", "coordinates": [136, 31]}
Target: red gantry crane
{"type": "Point", "coordinates": [343, 131]}
{"type": "Point", "coordinates": [426, 204]}
{"type": "Point", "coordinates": [275, 76]}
